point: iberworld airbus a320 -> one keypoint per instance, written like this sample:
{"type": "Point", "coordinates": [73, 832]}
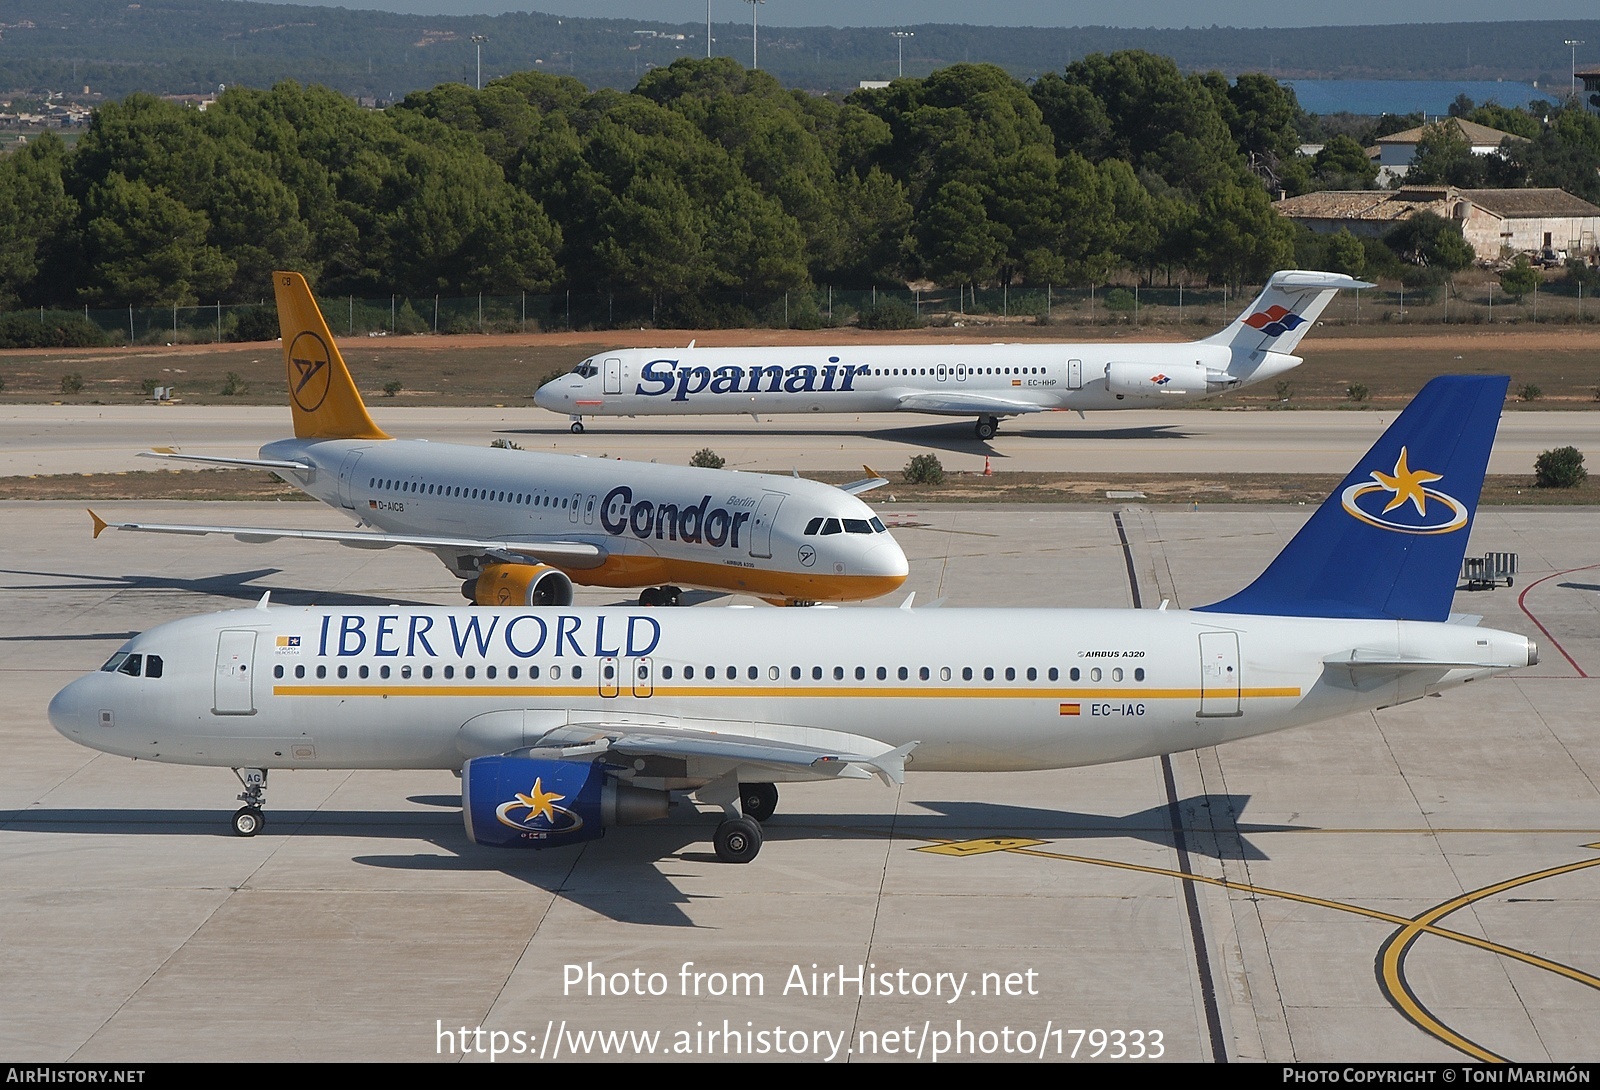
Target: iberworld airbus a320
{"type": "Point", "coordinates": [986, 381]}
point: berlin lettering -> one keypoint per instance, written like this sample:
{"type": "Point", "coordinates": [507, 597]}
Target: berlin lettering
{"type": "Point", "coordinates": [661, 377]}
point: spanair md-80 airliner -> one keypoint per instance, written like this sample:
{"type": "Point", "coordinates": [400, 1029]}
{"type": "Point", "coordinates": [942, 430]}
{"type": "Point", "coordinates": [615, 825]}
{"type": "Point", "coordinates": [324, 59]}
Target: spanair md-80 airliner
{"type": "Point", "coordinates": [521, 527]}
{"type": "Point", "coordinates": [986, 381]}
{"type": "Point", "coordinates": [565, 721]}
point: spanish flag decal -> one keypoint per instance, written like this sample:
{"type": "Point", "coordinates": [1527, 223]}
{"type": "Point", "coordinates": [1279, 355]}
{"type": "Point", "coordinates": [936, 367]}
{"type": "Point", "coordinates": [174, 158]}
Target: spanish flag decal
{"type": "Point", "coordinates": [1070, 709]}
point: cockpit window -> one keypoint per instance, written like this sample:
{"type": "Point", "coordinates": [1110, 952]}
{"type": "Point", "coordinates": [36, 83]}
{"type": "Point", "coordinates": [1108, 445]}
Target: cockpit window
{"type": "Point", "coordinates": [878, 526]}
{"type": "Point", "coordinates": [113, 662]}
{"type": "Point", "coordinates": [831, 527]}
{"type": "Point", "coordinates": [857, 526]}
{"type": "Point", "coordinates": [586, 369]}
{"type": "Point", "coordinates": [813, 526]}
{"type": "Point", "coordinates": [152, 666]}
{"type": "Point", "coordinates": [131, 665]}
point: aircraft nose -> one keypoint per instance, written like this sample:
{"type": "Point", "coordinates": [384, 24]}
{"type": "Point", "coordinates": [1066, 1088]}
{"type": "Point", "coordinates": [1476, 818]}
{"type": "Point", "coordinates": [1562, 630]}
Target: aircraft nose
{"type": "Point", "coordinates": [72, 710]}
{"type": "Point", "coordinates": [885, 557]}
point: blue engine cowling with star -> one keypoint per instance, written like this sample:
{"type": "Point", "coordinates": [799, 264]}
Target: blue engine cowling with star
{"type": "Point", "coordinates": [529, 802]}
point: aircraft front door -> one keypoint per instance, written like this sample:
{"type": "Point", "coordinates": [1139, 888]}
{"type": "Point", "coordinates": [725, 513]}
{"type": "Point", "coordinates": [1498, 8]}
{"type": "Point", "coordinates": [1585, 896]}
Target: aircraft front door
{"type": "Point", "coordinates": [1074, 374]}
{"type": "Point", "coordinates": [235, 692]}
{"type": "Point", "coordinates": [1219, 674]}
{"type": "Point", "coordinates": [613, 376]}
{"type": "Point", "coordinates": [761, 525]}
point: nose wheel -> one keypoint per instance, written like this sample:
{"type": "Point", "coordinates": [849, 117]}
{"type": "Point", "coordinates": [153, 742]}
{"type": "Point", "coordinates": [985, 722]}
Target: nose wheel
{"type": "Point", "coordinates": [577, 425]}
{"type": "Point", "coordinates": [248, 820]}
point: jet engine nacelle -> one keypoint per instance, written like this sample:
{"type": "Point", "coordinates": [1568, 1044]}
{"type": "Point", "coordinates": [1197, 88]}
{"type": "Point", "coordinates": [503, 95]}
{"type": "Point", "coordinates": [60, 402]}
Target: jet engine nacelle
{"type": "Point", "coordinates": [528, 802]}
{"type": "Point", "coordinates": [519, 585]}
{"type": "Point", "coordinates": [1155, 380]}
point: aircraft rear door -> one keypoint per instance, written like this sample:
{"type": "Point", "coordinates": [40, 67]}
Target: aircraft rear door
{"type": "Point", "coordinates": [1219, 674]}
{"type": "Point", "coordinates": [761, 525]}
{"type": "Point", "coordinates": [236, 652]}
{"type": "Point", "coordinates": [1074, 374]}
{"type": "Point", "coordinates": [347, 479]}
{"type": "Point", "coordinates": [613, 376]}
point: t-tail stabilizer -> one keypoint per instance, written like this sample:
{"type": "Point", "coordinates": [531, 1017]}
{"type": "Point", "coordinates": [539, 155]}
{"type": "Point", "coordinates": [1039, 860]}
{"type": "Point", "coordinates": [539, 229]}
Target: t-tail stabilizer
{"type": "Point", "coordinates": [1388, 543]}
{"type": "Point", "coordinates": [1284, 312]}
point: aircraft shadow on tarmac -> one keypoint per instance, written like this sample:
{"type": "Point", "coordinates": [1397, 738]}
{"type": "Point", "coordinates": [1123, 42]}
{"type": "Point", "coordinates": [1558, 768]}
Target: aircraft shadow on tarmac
{"type": "Point", "coordinates": [628, 875]}
{"type": "Point", "coordinates": [241, 586]}
{"type": "Point", "coordinates": [953, 438]}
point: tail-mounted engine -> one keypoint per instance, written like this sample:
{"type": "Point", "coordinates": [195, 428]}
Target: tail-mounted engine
{"type": "Point", "coordinates": [525, 802]}
{"type": "Point", "coordinates": [1154, 380]}
{"type": "Point", "coordinates": [519, 585]}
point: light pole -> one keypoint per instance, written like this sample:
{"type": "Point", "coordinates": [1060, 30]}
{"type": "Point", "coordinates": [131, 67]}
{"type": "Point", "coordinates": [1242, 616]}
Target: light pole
{"type": "Point", "coordinates": [753, 3]}
{"type": "Point", "coordinates": [1574, 43]}
{"type": "Point", "coordinates": [478, 40]}
{"type": "Point", "coordinates": [708, 29]}
{"type": "Point", "coordinates": [900, 37]}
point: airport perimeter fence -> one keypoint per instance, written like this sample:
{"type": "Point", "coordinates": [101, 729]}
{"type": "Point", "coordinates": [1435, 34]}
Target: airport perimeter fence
{"type": "Point", "coordinates": [1092, 306]}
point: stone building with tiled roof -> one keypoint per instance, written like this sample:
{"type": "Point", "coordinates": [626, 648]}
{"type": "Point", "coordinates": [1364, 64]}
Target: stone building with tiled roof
{"type": "Point", "coordinates": [1396, 151]}
{"type": "Point", "coordinates": [1493, 221]}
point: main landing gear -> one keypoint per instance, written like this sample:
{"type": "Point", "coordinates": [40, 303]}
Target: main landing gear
{"type": "Point", "coordinates": [738, 839]}
{"type": "Point", "coordinates": [986, 427]}
{"type": "Point", "coordinates": [661, 596]}
{"type": "Point", "coordinates": [577, 425]}
{"type": "Point", "coordinates": [248, 820]}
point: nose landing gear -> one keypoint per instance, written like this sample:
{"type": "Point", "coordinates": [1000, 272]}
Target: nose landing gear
{"type": "Point", "coordinates": [248, 820]}
{"type": "Point", "coordinates": [577, 425]}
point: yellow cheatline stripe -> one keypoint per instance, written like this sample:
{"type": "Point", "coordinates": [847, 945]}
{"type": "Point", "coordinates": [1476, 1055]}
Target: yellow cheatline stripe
{"type": "Point", "coordinates": [1412, 928]}
{"type": "Point", "coordinates": [798, 690]}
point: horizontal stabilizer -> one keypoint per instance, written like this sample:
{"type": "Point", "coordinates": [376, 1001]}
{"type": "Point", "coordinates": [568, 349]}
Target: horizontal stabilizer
{"type": "Point", "coordinates": [169, 454]}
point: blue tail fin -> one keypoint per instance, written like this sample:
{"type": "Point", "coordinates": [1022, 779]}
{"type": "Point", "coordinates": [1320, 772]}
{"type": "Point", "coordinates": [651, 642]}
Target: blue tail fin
{"type": "Point", "coordinates": [1388, 543]}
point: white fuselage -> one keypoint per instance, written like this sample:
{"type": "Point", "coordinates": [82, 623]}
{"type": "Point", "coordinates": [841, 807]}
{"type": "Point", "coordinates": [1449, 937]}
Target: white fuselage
{"type": "Point", "coordinates": [656, 524]}
{"type": "Point", "coordinates": [956, 379]}
{"type": "Point", "coordinates": [975, 689]}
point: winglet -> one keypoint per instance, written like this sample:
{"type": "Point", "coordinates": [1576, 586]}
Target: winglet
{"type": "Point", "coordinates": [99, 523]}
{"type": "Point", "coordinates": [266, 600]}
{"type": "Point", "coordinates": [322, 395]}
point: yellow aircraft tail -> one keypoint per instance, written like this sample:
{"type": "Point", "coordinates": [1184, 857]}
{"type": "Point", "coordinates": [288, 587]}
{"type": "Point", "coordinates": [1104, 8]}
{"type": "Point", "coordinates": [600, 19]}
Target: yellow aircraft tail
{"type": "Point", "coordinates": [322, 395]}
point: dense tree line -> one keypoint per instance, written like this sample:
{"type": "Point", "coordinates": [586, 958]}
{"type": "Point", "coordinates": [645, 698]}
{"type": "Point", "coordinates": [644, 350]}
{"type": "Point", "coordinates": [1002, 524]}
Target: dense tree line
{"type": "Point", "coordinates": [706, 176]}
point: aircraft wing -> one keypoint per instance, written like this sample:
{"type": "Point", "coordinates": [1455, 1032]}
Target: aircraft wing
{"type": "Point", "coordinates": [721, 748]}
{"type": "Point", "coordinates": [218, 460]}
{"type": "Point", "coordinates": [570, 553]}
{"type": "Point", "coordinates": [962, 403]}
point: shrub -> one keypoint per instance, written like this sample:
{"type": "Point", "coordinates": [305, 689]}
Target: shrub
{"type": "Point", "coordinates": [924, 469]}
{"type": "Point", "coordinates": [1520, 279]}
{"type": "Point", "coordinates": [72, 384]}
{"type": "Point", "coordinates": [58, 329]}
{"type": "Point", "coordinates": [392, 387]}
{"type": "Point", "coordinates": [706, 458]}
{"type": "Point", "coordinates": [1120, 299]}
{"type": "Point", "coordinates": [889, 314]}
{"type": "Point", "coordinates": [148, 385]}
{"type": "Point", "coordinates": [233, 384]}
{"type": "Point", "coordinates": [1560, 468]}
{"type": "Point", "coordinates": [1529, 392]}
{"type": "Point", "coordinates": [1284, 390]}
{"type": "Point", "coordinates": [504, 444]}
{"type": "Point", "coordinates": [1357, 391]}
{"type": "Point", "coordinates": [255, 324]}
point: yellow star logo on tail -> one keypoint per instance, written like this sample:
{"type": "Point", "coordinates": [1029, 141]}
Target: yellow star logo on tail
{"type": "Point", "coordinates": [538, 803]}
{"type": "Point", "coordinates": [1406, 484]}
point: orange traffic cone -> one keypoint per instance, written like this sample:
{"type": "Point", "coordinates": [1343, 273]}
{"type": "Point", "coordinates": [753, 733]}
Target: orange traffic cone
{"type": "Point", "coordinates": [987, 472]}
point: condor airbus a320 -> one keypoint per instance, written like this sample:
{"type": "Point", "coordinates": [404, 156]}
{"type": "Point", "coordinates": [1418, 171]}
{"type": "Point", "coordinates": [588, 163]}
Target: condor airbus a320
{"type": "Point", "coordinates": [986, 381]}
{"type": "Point", "coordinates": [521, 527]}
{"type": "Point", "coordinates": [565, 721]}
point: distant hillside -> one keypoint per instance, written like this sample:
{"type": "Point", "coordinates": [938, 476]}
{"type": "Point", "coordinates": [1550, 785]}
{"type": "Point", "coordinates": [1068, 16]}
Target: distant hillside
{"type": "Point", "coordinates": [116, 47]}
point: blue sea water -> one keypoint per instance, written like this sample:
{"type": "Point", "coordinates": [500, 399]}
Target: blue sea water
{"type": "Point", "coordinates": [1404, 96]}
